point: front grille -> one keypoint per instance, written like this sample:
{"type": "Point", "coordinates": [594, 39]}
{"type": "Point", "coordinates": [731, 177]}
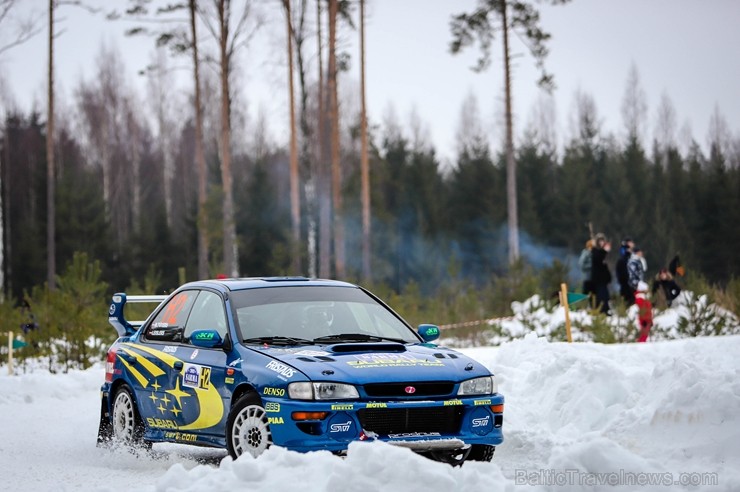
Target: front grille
{"type": "Point", "coordinates": [384, 421]}
{"type": "Point", "coordinates": [436, 388]}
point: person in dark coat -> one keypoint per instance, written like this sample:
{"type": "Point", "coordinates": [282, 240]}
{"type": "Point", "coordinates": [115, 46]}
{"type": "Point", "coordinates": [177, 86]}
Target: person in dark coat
{"type": "Point", "coordinates": [625, 290]}
{"type": "Point", "coordinates": [665, 287]}
{"type": "Point", "coordinates": [600, 274]}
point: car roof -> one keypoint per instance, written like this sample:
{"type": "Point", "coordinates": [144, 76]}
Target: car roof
{"type": "Point", "coordinates": [234, 284]}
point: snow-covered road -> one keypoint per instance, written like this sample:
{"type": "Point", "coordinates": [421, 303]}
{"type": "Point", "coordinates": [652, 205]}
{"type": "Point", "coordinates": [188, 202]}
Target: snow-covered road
{"type": "Point", "coordinates": [578, 417]}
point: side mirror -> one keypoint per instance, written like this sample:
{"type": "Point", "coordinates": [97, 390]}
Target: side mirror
{"type": "Point", "coordinates": [428, 332]}
{"type": "Point", "coordinates": [206, 339]}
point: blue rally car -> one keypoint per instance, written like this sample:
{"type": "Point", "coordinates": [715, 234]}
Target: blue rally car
{"type": "Point", "coordinates": [243, 364]}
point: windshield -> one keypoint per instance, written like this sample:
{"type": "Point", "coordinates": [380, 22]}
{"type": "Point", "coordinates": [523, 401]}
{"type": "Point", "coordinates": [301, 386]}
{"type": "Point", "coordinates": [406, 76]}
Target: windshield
{"type": "Point", "coordinates": [315, 314]}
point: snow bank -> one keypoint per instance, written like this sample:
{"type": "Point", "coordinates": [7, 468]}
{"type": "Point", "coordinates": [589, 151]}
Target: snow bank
{"type": "Point", "coordinates": [578, 417]}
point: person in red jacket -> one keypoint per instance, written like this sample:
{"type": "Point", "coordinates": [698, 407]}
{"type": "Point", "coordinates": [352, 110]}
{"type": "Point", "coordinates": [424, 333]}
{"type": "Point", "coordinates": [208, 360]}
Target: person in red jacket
{"type": "Point", "coordinates": [644, 313]}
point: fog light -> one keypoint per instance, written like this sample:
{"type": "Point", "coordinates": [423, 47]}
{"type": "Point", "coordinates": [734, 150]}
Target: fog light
{"type": "Point", "coordinates": [309, 415]}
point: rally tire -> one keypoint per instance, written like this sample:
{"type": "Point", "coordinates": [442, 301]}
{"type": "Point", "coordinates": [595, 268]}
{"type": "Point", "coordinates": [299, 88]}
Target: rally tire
{"type": "Point", "coordinates": [481, 452]}
{"type": "Point", "coordinates": [247, 428]}
{"type": "Point", "coordinates": [126, 424]}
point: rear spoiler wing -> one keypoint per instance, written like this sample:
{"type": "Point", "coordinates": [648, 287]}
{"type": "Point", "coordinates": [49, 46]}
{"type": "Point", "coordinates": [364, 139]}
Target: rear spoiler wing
{"type": "Point", "coordinates": [115, 312]}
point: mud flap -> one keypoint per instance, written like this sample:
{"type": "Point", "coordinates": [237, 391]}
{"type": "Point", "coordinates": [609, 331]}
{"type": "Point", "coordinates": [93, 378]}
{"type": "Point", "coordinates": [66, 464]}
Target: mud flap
{"type": "Point", "coordinates": [105, 430]}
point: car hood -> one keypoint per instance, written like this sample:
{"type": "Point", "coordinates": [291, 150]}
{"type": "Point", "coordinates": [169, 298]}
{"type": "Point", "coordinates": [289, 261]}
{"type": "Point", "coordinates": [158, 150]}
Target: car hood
{"type": "Point", "coordinates": [362, 363]}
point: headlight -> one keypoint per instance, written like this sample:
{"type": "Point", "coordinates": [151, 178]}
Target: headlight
{"type": "Point", "coordinates": [322, 391]}
{"type": "Point", "coordinates": [478, 386]}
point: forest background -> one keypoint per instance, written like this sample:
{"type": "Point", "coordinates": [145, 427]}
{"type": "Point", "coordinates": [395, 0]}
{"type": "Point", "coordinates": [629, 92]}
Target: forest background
{"type": "Point", "coordinates": [127, 184]}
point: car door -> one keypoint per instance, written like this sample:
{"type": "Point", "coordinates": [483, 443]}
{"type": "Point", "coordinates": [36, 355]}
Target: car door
{"type": "Point", "coordinates": [204, 390]}
{"type": "Point", "coordinates": [152, 362]}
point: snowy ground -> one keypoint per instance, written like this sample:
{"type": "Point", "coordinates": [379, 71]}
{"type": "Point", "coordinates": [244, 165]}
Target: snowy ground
{"type": "Point", "coordinates": [578, 417]}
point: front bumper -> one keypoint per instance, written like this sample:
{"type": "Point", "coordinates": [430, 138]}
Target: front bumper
{"type": "Point", "coordinates": [427, 425]}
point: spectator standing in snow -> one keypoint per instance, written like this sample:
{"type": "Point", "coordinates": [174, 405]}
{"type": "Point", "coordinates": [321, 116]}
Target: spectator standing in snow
{"type": "Point", "coordinates": [584, 262]}
{"type": "Point", "coordinates": [600, 274]}
{"type": "Point", "coordinates": [625, 252]}
{"type": "Point", "coordinates": [644, 312]}
{"type": "Point", "coordinates": [636, 268]}
{"type": "Point", "coordinates": [665, 287]}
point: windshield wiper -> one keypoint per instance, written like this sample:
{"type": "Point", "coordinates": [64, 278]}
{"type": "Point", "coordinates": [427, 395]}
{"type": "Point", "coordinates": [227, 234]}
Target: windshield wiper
{"type": "Point", "coordinates": [278, 340]}
{"type": "Point", "coordinates": [356, 337]}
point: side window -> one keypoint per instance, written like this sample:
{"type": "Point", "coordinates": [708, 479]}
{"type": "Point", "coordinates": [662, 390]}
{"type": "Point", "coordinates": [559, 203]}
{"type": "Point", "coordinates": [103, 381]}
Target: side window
{"type": "Point", "coordinates": [168, 325]}
{"type": "Point", "coordinates": [207, 314]}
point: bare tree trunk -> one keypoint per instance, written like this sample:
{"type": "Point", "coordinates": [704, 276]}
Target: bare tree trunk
{"type": "Point", "coordinates": [230, 246]}
{"type": "Point", "coordinates": [336, 167]}
{"type": "Point", "coordinates": [322, 192]}
{"type": "Point", "coordinates": [295, 199]}
{"type": "Point", "coordinates": [511, 200]}
{"type": "Point", "coordinates": [306, 163]}
{"type": "Point", "coordinates": [134, 137]}
{"type": "Point", "coordinates": [4, 199]}
{"type": "Point", "coordinates": [50, 208]}
{"type": "Point", "coordinates": [200, 159]}
{"type": "Point", "coordinates": [364, 164]}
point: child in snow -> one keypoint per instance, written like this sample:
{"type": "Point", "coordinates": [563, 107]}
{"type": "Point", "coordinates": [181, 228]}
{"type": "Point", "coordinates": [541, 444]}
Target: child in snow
{"type": "Point", "coordinates": [644, 313]}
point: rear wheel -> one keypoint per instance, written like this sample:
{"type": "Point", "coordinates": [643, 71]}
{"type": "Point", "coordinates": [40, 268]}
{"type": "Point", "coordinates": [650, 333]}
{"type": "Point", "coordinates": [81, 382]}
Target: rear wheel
{"type": "Point", "coordinates": [248, 429]}
{"type": "Point", "coordinates": [126, 423]}
{"type": "Point", "coordinates": [481, 452]}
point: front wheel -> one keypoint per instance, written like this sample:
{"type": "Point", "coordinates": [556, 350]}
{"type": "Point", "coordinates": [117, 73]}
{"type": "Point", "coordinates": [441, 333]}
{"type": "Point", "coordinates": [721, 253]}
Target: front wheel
{"type": "Point", "coordinates": [126, 424]}
{"type": "Point", "coordinates": [248, 429]}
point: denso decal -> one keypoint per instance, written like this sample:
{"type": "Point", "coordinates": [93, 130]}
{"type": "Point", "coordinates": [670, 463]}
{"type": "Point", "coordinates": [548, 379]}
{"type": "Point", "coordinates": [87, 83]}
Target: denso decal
{"type": "Point", "coordinates": [272, 407]}
{"type": "Point", "coordinates": [275, 420]}
{"type": "Point", "coordinates": [273, 391]}
{"type": "Point", "coordinates": [481, 422]}
{"type": "Point", "coordinates": [280, 368]}
{"type": "Point", "coordinates": [343, 406]}
{"type": "Point", "coordinates": [343, 427]}
{"type": "Point", "coordinates": [392, 360]}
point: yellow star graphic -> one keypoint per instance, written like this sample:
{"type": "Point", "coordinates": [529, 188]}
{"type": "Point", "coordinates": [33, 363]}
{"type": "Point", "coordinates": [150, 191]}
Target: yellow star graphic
{"type": "Point", "coordinates": [166, 400]}
{"type": "Point", "coordinates": [161, 408]}
{"type": "Point", "coordinates": [153, 398]}
{"type": "Point", "coordinates": [156, 385]}
{"type": "Point", "coordinates": [177, 392]}
{"type": "Point", "coordinates": [176, 410]}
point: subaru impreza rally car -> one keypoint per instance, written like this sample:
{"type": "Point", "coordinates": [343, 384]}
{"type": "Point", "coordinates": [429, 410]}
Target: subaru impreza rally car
{"type": "Point", "coordinates": [243, 364]}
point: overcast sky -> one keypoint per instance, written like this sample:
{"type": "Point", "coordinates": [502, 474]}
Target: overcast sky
{"type": "Point", "coordinates": [687, 49]}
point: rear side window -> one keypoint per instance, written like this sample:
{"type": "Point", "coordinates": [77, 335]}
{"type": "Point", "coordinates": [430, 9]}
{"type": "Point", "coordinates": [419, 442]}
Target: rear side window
{"type": "Point", "coordinates": [169, 323]}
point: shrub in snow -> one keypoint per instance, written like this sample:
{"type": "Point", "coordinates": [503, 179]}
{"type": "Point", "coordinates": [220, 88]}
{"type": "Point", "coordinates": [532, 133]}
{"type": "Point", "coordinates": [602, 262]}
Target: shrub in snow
{"type": "Point", "coordinates": [691, 315]}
